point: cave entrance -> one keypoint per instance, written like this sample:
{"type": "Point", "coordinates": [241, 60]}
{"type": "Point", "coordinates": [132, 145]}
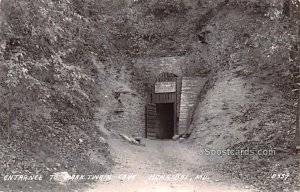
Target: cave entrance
{"type": "Point", "coordinates": [162, 108]}
{"type": "Point", "coordinates": [165, 117]}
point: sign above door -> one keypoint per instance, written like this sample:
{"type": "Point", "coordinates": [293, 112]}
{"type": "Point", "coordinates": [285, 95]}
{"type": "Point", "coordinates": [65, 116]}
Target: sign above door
{"type": "Point", "coordinates": [165, 87]}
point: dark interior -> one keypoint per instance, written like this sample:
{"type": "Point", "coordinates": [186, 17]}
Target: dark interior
{"type": "Point", "coordinates": [165, 114]}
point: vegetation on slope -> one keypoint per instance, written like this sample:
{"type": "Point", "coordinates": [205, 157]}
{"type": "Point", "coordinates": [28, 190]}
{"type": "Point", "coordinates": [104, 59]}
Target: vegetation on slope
{"type": "Point", "coordinates": [57, 57]}
{"type": "Point", "coordinates": [50, 85]}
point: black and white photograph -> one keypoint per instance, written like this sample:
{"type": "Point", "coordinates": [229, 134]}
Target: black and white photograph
{"type": "Point", "coordinates": [149, 95]}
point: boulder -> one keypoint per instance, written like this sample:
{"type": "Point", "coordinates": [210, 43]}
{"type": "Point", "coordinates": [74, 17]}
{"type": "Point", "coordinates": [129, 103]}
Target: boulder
{"type": "Point", "coordinates": [176, 137]}
{"type": "Point", "coordinates": [102, 140]}
{"type": "Point", "coordinates": [138, 139]}
{"type": "Point", "coordinates": [129, 139]}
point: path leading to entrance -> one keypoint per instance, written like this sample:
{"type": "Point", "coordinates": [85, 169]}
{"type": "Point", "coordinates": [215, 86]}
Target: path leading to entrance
{"type": "Point", "coordinates": [161, 158]}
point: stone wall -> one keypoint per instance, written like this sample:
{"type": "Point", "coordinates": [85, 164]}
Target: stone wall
{"type": "Point", "coordinates": [191, 87]}
{"type": "Point", "coordinates": [155, 66]}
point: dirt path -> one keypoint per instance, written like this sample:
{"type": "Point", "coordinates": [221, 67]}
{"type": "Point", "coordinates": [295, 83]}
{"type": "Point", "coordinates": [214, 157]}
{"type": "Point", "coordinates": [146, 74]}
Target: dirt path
{"type": "Point", "coordinates": [143, 164]}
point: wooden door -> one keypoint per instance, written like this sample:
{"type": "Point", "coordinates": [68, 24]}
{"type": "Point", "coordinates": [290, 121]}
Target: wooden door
{"type": "Point", "coordinates": [151, 121]}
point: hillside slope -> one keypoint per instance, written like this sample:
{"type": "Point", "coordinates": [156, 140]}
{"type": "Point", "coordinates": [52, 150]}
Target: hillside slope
{"type": "Point", "coordinates": [250, 104]}
{"type": "Point", "coordinates": [68, 79]}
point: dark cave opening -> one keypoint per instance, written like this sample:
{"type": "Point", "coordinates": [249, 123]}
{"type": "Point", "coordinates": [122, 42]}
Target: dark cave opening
{"type": "Point", "coordinates": [165, 114]}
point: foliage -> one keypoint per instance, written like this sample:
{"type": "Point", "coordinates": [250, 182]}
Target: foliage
{"type": "Point", "coordinates": [49, 83]}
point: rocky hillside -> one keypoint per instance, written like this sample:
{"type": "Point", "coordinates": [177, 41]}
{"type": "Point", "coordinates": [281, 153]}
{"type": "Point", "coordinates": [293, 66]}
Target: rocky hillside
{"type": "Point", "coordinates": [68, 74]}
{"type": "Point", "coordinates": [250, 103]}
